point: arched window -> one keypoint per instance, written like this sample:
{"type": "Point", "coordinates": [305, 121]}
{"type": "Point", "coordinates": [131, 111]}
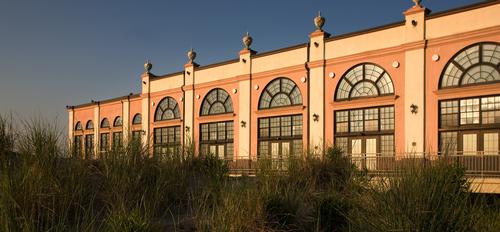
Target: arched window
{"type": "Point", "coordinates": [280, 92]}
{"type": "Point", "coordinates": [105, 123]}
{"type": "Point", "coordinates": [364, 80]}
{"type": "Point", "coordinates": [167, 109]}
{"type": "Point", "coordinates": [217, 101]}
{"type": "Point", "coordinates": [118, 121]}
{"type": "Point", "coordinates": [78, 126]}
{"type": "Point", "coordinates": [475, 64]}
{"type": "Point", "coordinates": [90, 125]}
{"type": "Point", "coordinates": [137, 119]}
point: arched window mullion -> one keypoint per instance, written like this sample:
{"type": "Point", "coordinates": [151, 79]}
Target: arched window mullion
{"type": "Point", "coordinates": [206, 105]}
{"type": "Point", "coordinates": [466, 71]}
{"type": "Point", "coordinates": [284, 84]}
{"type": "Point", "coordinates": [348, 82]}
{"type": "Point", "coordinates": [346, 87]}
{"type": "Point", "coordinates": [364, 72]}
{"type": "Point", "coordinates": [454, 74]}
{"type": "Point", "coordinates": [481, 53]}
{"type": "Point", "coordinates": [164, 106]}
{"type": "Point", "coordinates": [379, 77]}
{"type": "Point", "coordinates": [458, 66]}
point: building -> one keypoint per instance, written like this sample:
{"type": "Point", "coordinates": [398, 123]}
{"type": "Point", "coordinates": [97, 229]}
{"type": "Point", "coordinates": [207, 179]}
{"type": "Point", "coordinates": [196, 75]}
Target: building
{"type": "Point", "coordinates": [427, 84]}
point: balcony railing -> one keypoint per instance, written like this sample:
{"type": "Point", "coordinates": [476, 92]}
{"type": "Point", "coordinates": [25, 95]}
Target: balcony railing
{"type": "Point", "coordinates": [477, 164]}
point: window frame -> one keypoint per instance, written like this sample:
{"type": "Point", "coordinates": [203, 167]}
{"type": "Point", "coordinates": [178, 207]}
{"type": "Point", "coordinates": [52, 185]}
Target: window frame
{"type": "Point", "coordinates": [363, 79]}
{"type": "Point", "coordinates": [216, 91]}
{"type": "Point", "coordinates": [137, 119]}
{"type": "Point", "coordinates": [176, 110]}
{"type": "Point", "coordinates": [269, 85]}
{"type": "Point", "coordinates": [464, 71]}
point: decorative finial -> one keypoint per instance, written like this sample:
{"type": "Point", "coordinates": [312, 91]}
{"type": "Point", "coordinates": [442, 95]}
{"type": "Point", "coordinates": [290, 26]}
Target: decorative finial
{"type": "Point", "coordinates": [247, 41]}
{"type": "Point", "coordinates": [148, 66]}
{"type": "Point", "coordinates": [319, 21]}
{"type": "Point", "coordinates": [417, 2]}
{"type": "Point", "coordinates": [191, 55]}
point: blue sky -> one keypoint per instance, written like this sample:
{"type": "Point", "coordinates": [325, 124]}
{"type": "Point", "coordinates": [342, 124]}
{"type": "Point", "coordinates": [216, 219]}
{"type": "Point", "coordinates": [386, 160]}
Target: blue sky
{"type": "Point", "coordinates": [58, 53]}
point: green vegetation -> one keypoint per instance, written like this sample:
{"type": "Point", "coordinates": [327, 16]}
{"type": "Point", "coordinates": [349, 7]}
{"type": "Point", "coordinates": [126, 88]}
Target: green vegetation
{"type": "Point", "coordinates": [42, 189]}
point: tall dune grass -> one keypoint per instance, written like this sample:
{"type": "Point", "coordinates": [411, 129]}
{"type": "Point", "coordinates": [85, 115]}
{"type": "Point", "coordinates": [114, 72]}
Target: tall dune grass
{"type": "Point", "coordinates": [43, 188]}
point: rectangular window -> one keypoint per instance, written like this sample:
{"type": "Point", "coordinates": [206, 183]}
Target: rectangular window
{"type": "Point", "coordinates": [364, 120]}
{"type": "Point", "coordinates": [469, 143]}
{"type": "Point", "coordinates": [356, 120]}
{"type": "Point", "coordinates": [104, 143]}
{"type": "Point", "coordinates": [387, 118]}
{"type": "Point", "coordinates": [449, 113]}
{"type": "Point", "coordinates": [77, 146]}
{"type": "Point", "coordinates": [342, 121]}
{"type": "Point", "coordinates": [280, 136]}
{"type": "Point", "coordinates": [469, 111]}
{"type": "Point", "coordinates": [89, 146]}
{"type": "Point", "coordinates": [117, 140]}
{"type": "Point", "coordinates": [217, 139]}
{"type": "Point", "coordinates": [371, 119]}
{"type": "Point", "coordinates": [490, 141]}
{"type": "Point", "coordinates": [167, 141]}
{"type": "Point", "coordinates": [490, 107]}
{"type": "Point", "coordinates": [136, 135]}
{"type": "Point", "coordinates": [465, 125]}
{"type": "Point", "coordinates": [342, 143]}
{"type": "Point", "coordinates": [449, 143]}
{"type": "Point", "coordinates": [376, 122]}
{"type": "Point", "coordinates": [387, 145]}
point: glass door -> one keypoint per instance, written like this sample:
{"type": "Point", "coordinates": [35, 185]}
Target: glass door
{"type": "Point", "coordinates": [490, 143]}
{"type": "Point", "coordinates": [469, 143]}
{"type": "Point", "coordinates": [357, 151]}
{"type": "Point", "coordinates": [371, 153]}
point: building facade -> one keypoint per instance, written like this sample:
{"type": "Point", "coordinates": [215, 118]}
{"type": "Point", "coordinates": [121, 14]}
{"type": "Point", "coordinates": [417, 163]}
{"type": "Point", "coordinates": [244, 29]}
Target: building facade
{"type": "Point", "coordinates": [427, 84]}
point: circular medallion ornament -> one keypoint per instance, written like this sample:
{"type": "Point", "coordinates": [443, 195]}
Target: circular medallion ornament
{"type": "Point", "coordinates": [435, 57]}
{"type": "Point", "coordinates": [303, 79]}
{"type": "Point", "coordinates": [256, 87]}
{"type": "Point", "coordinates": [235, 90]}
{"type": "Point", "coordinates": [395, 64]}
{"type": "Point", "coordinates": [331, 74]}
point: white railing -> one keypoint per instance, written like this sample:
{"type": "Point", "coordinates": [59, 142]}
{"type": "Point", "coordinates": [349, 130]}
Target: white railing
{"type": "Point", "coordinates": [479, 164]}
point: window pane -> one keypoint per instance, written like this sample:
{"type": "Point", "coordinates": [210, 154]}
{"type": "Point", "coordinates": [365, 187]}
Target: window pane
{"type": "Point", "coordinates": [490, 143]}
{"type": "Point", "coordinates": [371, 119]}
{"type": "Point", "coordinates": [387, 145]}
{"type": "Point", "coordinates": [469, 111]}
{"type": "Point", "coordinates": [263, 149]}
{"type": "Point", "coordinates": [342, 143]}
{"type": "Point", "coordinates": [342, 121]}
{"type": "Point", "coordinates": [356, 123]}
{"type": "Point", "coordinates": [469, 144]}
{"type": "Point", "coordinates": [387, 118]}
{"type": "Point", "coordinates": [448, 143]}
{"type": "Point", "coordinates": [230, 130]}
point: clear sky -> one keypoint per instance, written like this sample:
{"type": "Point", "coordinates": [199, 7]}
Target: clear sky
{"type": "Point", "coordinates": [58, 53]}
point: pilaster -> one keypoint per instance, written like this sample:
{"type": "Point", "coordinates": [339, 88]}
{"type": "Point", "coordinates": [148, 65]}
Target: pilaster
{"type": "Point", "coordinates": [126, 120]}
{"type": "Point", "coordinates": [97, 127]}
{"type": "Point", "coordinates": [316, 86]}
{"type": "Point", "coordinates": [71, 127]}
{"type": "Point", "coordinates": [188, 119]}
{"type": "Point", "coordinates": [244, 111]}
{"type": "Point", "coordinates": [145, 108]}
{"type": "Point", "coordinates": [414, 81]}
